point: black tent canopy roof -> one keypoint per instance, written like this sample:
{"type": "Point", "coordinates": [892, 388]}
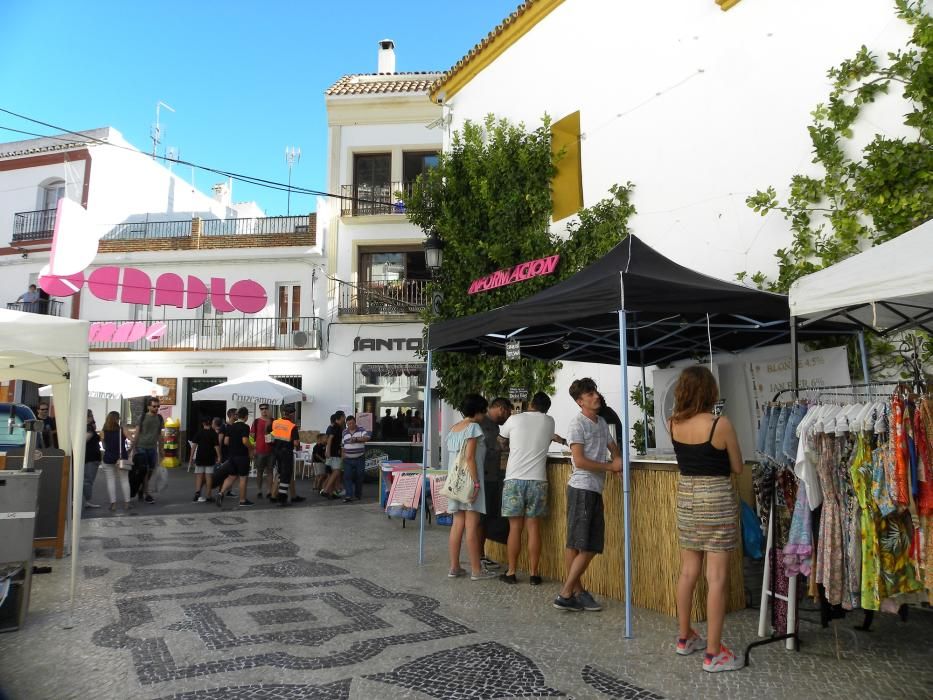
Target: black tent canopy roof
{"type": "Point", "coordinates": [673, 313]}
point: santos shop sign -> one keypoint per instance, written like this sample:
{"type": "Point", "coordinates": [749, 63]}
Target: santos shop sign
{"type": "Point", "coordinates": [518, 273]}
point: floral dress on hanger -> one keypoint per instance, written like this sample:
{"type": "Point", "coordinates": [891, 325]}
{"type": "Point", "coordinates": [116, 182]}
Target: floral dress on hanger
{"type": "Point", "coordinates": [829, 565]}
{"type": "Point", "coordinates": [861, 471]}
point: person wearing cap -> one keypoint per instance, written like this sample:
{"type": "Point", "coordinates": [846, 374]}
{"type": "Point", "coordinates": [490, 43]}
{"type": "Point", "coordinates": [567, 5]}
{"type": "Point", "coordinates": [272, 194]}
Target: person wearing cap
{"type": "Point", "coordinates": [284, 443]}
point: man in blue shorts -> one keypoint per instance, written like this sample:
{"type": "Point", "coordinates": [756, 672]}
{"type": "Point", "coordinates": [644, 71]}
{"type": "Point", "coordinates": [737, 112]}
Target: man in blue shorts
{"type": "Point", "coordinates": [524, 493]}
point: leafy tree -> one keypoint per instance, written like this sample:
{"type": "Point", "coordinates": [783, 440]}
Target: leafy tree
{"type": "Point", "coordinates": [643, 397]}
{"type": "Point", "coordinates": [879, 193]}
{"type": "Point", "coordinates": [489, 200]}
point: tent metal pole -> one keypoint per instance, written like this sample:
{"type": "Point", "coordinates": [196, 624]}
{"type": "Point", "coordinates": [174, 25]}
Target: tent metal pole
{"type": "Point", "coordinates": [863, 353]}
{"type": "Point", "coordinates": [794, 356]}
{"type": "Point", "coordinates": [626, 469]}
{"type": "Point", "coordinates": [425, 457]}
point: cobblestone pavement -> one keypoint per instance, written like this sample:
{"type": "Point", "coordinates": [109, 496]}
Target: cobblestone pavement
{"type": "Point", "coordinates": [330, 603]}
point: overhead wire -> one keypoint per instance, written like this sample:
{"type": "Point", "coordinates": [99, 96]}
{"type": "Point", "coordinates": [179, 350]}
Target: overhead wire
{"type": "Point", "coordinates": [240, 177]}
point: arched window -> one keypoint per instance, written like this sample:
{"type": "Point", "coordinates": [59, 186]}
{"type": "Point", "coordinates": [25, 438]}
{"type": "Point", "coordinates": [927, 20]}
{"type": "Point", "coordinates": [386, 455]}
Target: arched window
{"type": "Point", "coordinates": [51, 193]}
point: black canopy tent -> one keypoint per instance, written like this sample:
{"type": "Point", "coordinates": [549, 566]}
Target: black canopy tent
{"type": "Point", "coordinates": [632, 303]}
{"type": "Point", "coordinates": [674, 312]}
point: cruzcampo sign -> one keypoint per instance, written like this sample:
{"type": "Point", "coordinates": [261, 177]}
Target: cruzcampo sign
{"type": "Point", "coordinates": [518, 273]}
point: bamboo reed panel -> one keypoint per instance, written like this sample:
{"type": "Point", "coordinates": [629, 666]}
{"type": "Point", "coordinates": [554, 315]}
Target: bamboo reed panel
{"type": "Point", "coordinates": [655, 552]}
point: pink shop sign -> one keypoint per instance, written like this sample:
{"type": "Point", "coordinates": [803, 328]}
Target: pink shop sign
{"type": "Point", "coordinates": [518, 273]}
{"type": "Point", "coordinates": [133, 286]}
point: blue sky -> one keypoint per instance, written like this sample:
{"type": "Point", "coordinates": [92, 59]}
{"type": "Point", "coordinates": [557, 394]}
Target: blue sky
{"type": "Point", "coordinates": [246, 78]}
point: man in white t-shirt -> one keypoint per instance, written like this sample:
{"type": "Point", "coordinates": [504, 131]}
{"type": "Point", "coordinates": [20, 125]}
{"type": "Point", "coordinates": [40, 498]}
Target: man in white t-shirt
{"type": "Point", "coordinates": [524, 493]}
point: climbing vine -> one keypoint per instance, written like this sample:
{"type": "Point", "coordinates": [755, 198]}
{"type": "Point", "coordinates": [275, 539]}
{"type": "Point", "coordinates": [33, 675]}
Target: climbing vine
{"type": "Point", "coordinates": [866, 197]}
{"type": "Point", "coordinates": [489, 200]}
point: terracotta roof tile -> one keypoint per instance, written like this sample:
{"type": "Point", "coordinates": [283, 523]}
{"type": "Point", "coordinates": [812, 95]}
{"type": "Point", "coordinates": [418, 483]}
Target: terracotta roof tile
{"type": "Point", "coordinates": [382, 83]}
{"type": "Point", "coordinates": [487, 40]}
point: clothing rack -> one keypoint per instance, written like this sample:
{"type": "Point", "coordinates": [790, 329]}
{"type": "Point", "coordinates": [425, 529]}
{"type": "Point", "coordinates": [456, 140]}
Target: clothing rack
{"type": "Point", "coordinates": [769, 577]}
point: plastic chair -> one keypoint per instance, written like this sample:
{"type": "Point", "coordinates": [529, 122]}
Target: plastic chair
{"type": "Point", "coordinates": [302, 464]}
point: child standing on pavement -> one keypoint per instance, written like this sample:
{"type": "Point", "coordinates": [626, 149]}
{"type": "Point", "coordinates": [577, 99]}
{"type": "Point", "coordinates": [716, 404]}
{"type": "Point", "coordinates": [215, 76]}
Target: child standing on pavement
{"type": "Point", "coordinates": [593, 453]}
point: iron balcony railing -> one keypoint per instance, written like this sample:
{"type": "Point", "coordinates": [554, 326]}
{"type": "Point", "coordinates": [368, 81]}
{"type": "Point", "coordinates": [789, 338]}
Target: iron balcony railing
{"type": "Point", "coordinates": [256, 226]}
{"type": "Point", "coordinates": [249, 333]}
{"type": "Point", "coordinates": [392, 297]}
{"type": "Point", "coordinates": [369, 199]}
{"type": "Point", "coordinates": [149, 230]}
{"type": "Point", "coordinates": [47, 307]}
{"type": "Point", "coordinates": [33, 225]}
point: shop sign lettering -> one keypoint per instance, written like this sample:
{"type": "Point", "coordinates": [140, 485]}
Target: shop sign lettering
{"type": "Point", "coordinates": [518, 273]}
{"type": "Point", "coordinates": [375, 344]}
{"type": "Point", "coordinates": [128, 332]}
{"type": "Point", "coordinates": [133, 286]}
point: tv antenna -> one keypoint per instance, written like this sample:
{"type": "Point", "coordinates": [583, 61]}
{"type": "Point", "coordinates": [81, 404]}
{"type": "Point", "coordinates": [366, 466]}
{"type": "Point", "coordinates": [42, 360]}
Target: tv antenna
{"type": "Point", "coordinates": [157, 128]}
{"type": "Point", "coordinates": [292, 157]}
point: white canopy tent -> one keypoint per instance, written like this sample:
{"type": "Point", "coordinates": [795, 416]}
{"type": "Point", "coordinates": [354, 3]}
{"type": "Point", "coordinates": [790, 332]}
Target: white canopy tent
{"type": "Point", "coordinates": [885, 289]}
{"type": "Point", "coordinates": [54, 351]}
{"type": "Point", "coordinates": [112, 384]}
{"type": "Point", "coordinates": [254, 388]}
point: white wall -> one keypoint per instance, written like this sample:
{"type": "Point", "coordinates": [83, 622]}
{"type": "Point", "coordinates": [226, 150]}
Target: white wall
{"type": "Point", "coordinates": [185, 365]}
{"type": "Point", "coordinates": [404, 129]}
{"type": "Point", "coordinates": [127, 185]}
{"type": "Point", "coordinates": [335, 373]}
{"type": "Point", "coordinates": [695, 144]}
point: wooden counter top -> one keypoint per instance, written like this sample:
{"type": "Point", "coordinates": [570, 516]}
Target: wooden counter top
{"type": "Point", "coordinates": [655, 552]}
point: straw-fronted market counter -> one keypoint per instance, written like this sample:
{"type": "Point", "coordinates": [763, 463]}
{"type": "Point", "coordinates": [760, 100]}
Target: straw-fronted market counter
{"type": "Point", "coordinates": [655, 554]}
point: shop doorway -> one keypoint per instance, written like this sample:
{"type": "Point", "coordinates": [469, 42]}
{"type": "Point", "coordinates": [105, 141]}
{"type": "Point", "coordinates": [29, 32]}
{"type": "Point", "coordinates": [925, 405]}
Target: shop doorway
{"type": "Point", "coordinates": [194, 410]}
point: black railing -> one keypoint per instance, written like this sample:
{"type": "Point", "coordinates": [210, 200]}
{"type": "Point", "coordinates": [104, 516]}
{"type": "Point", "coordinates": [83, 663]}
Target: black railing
{"type": "Point", "coordinates": [33, 225]}
{"type": "Point", "coordinates": [388, 298]}
{"type": "Point", "coordinates": [299, 333]}
{"type": "Point", "coordinates": [370, 200]}
{"type": "Point", "coordinates": [149, 230]}
{"type": "Point", "coordinates": [257, 226]}
{"type": "Point", "coordinates": [47, 307]}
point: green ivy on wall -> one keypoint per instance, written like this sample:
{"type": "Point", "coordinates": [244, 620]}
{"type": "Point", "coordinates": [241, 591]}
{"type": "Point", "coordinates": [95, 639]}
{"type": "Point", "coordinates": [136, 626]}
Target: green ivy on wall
{"type": "Point", "coordinates": [489, 200]}
{"type": "Point", "coordinates": [885, 190]}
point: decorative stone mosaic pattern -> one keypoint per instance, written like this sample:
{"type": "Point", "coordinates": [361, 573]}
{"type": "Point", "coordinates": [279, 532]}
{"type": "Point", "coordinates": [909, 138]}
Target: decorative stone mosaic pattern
{"type": "Point", "coordinates": [488, 670]}
{"type": "Point", "coordinates": [330, 603]}
{"type": "Point", "coordinates": [270, 691]}
{"type": "Point", "coordinates": [616, 687]}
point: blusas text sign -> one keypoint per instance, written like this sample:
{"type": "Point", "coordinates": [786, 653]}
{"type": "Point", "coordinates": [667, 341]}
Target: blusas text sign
{"type": "Point", "coordinates": [519, 273]}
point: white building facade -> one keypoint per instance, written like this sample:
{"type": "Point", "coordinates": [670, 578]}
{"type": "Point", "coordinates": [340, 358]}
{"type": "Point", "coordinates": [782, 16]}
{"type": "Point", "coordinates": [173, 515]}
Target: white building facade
{"type": "Point", "coordinates": [382, 133]}
{"type": "Point", "coordinates": [185, 288]}
{"type": "Point", "coordinates": [698, 107]}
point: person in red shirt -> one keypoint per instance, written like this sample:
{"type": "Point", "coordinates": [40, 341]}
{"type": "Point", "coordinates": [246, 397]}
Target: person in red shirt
{"type": "Point", "coordinates": [261, 432]}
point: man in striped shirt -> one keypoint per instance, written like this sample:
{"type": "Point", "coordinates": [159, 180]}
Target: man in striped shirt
{"type": "Point", "coordinates": [354, 459]}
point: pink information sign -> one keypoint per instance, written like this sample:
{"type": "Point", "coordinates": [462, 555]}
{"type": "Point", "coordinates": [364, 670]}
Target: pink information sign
{"type": "Point", "coordinates": [439, 500]}
{"type": "Point", "coordinates": [405, 491]}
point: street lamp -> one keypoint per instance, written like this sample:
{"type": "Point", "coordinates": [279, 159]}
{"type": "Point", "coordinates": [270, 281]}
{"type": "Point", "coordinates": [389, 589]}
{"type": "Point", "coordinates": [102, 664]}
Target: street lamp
{"type": "Point", "coordinates": [433, 252]}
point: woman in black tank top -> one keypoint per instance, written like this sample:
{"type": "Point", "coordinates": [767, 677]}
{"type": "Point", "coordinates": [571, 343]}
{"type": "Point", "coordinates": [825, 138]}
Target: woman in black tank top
{"type": "Point", "coordinates": [707, 511]}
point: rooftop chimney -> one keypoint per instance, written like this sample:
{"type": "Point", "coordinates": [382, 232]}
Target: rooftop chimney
{"type": "Point", "coordinates": [386, 56]}
{"type": "Point", "coordinates": [222, 193]}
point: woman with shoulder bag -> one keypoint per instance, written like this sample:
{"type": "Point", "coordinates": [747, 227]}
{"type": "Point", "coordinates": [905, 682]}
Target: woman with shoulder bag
{"type": "Point", "coordinates": [115, 464]}
{"type": "Point", "coordinates": [468, 436]}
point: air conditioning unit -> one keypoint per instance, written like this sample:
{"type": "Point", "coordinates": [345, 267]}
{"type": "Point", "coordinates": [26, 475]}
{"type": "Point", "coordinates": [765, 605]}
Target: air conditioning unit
{"type": "Point", "coordinates": [301, 339]}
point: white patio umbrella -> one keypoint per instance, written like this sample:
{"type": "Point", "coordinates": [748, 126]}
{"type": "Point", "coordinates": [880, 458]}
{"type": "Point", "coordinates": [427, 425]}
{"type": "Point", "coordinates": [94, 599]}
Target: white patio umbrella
{"type": "Point", "coordinates": [112, 384]}
{"type": "Point", "coordinates": [255, 388]}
